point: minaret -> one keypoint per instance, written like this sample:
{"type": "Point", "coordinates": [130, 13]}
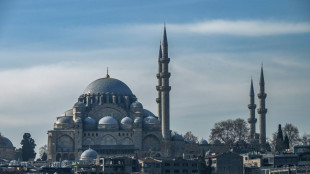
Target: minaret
{"type": "Point", "coordinates": [158, 100]}
{"type": "Point", "coordinates": [252, 120]}
{"type": "Point", "coordinates": [262, 111]}
{"type": "Point", "coordinates": [165, 89]}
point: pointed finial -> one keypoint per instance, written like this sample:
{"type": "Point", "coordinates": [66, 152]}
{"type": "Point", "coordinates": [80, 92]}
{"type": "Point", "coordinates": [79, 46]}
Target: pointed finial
{"type": "Point", "coordinates": [261, 80]}
{"type": "Point", "coordinates": [107, 76]}
{"type": "Point", "coordinates": [160, 51]}
{"type": "Point", "coordinates": [252, 88]}
{"type": "Point", "coordinates": [165, 42]}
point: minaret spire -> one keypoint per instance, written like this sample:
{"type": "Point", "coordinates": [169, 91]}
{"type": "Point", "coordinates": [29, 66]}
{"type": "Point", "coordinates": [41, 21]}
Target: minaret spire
{"type": "Point", "coordinates": [165, 43]}
{"type": "Point", "coordinates": [165, 89]}
{"type": "Point", "coordinates": [252, 120]}
{"type": "Point", "coordinates": [262, 111]}
{"type": "Point", "coordinates": [160, 54]}
{"type": "Point", "coordinates": [158, 99]}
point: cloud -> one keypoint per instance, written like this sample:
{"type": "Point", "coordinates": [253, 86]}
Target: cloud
{"type": "Point", "coordinates": [242, 28]}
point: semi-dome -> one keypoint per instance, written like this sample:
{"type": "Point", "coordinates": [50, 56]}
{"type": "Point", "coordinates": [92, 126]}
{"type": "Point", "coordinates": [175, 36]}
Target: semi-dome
{"type": "Point", "coordinates": [136, 104]}
{"type": "Point", "coordinates": [67, 113]}
{"type": "Point", "coordinates": [126, 123]}
{"type": "Point", "coordinates": [147, 113]}
{"type": "Point", "coordinates": [203, 142]}
{"type": "Point", "coordinates": [79, 105]}
{"type": "Point", "coordinates": [217, 142]}
{"type": "Point", "coordinates": [64, 120]}
{"type": "Point", "coordinates": [89, 123]}
{"type": "Point", "coordinates": [138, 120]}
{"type": "Point", "coordinates": [177, 137]}
{"type": "Point", "coordinates": [150, 120]}
{"type": "Point", "coordinates": [108, 123]}
{"type": "Point", "coordinates": [108, 85]}
{"type": "Point", "coordinates": [5, 142]}
{"type": "Point", "coordinates": [89, 154]}
{"type": "Point", "coordinates": [108, 120]}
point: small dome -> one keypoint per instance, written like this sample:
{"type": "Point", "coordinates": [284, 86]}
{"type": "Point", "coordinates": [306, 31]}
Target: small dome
{"type": "Point", "coordinates": [67, 113]}
{"type": "Point", "coordinates": [138, 120]}
{"type": "Point", "coordinates": [217, 142]}
{"type": "Point", "coordinates": [108, 123]}
{"type": "Point", "coordinates": [89, 123]}
{"type": "Point", "coordinates": [89, 154]}
{"type": "Point", "coordinates": [126, 123]}
{"type": "Point", "coordinates": [108, 85]}
{"type": "Point", "coordinates": [203, 141]}
{"type": "Point", "coordinates": [5, 142]}
{"type": "Point", "coordinates": [150, 120]}
{"type": "Point", "coordinates": [136, 104]}
{"type": "Point", "coordinates": [147, 113]}
{"type": "Point", "coordinates": [64, 120]}
{"type": "Point", "coordinates": [78, 120]}
{"type": "Point", "coordinates": [176, 137]}
{"type": "Point", "coordinates": [79, 105]}
{"type": "Point", "coordinates": [108, 120]}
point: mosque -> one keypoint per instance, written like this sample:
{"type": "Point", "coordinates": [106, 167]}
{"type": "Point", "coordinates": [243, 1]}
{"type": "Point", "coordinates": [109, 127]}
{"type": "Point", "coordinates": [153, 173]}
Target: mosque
{"type": "Point", "coordinates": [7, 150]}
{"type": "Point", "coordinates": [109, 119]}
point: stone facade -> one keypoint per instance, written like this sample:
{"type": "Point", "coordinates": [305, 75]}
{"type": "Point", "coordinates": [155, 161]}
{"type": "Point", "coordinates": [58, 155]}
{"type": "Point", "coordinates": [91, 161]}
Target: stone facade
{"type": "Point", "coordinates": [109, 119]}
{"type": "Point", "coordinates": [7, 150]}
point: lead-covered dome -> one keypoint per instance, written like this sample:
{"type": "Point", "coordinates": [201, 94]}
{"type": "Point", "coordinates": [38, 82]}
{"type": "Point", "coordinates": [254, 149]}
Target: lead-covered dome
{"type": "Point", "coordinates": [108, 85]}
{"type": "Point", "coordinates": [136, 104]}
{"type": "Point", "coordinates": [176, 137]}
{"type": "Point", "coordinates": [89, 123]}
{"type": "Point", "coordinates": [65, 120]}
{"type": "Point", "coordinates": [203, 142]}
{"type": "Point", "coordinates": [150, 120]}
{"type": "Point", "coordinates": [68, 113]}
{"type": "Point", "coordinates": [89, 154]}
{"type": "Point", "coordinates": [5, 142]}
{"type": "Point", "coordinates": [126, 123]}
{"type": "Point", "coordinates": [108, 122]}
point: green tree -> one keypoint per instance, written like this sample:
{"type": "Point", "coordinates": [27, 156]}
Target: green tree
{"type": "Point", "coordinates": [279, 141]}
{"type": "Point", "coordinates": [230, 131]}
{"type": "Point", "coordinates": [292, 133]}
{"type": "Point", "coordinates": [286, 142]}
{"type": "Point", "coordinates": [28, 146]}
{"type": "Point", "coordinates": [305, 140]}
{"type": "Point", "coordinates": [190, 137]}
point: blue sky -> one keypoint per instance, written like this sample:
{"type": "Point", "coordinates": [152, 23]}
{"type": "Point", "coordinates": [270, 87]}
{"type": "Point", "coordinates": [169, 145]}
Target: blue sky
{"type": "Point", "coordinates": [51, 50]}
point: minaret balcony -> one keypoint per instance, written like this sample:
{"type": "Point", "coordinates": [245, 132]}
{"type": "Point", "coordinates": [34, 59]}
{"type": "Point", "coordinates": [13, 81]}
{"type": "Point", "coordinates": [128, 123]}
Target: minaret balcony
{"type": "Point", "coordinates": [158, 75]}
{"type": "Point", "coordinates": [165, 88]}
{"type": "Point", "coordinates": [262, 110]}
{"type": "Point", "coordinates": [165, 75]}
{"type": "Point", "coordinates": [164, 60]}
{"type": "Point", "coordinates": [158, 100]}
{"type": "Point", "coordinates": [252, 120]}
{"type": "Point", "coordinates": [251, 106]}
{"type": "Point", "coordinates": [158, 88]}
{"type": "Point", "coordinates": [262, 95]}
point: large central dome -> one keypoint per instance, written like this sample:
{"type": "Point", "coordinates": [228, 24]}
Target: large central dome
{"type": "Point", "coordinates": [108, 85]}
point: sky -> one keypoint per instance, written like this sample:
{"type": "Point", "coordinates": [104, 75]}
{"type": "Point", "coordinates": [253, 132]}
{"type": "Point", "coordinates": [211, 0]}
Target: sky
{"type": "Point", "coordinates": [51, 50]}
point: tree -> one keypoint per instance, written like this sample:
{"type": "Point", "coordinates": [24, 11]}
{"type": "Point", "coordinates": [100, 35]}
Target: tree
{"type": "Point", "coordinates": [230, 131]}
{"type": "Point", "coordinates": [190, 137]}
{"type": "Point", "coordinates": [292, 133]}
{"type": "Point", "coordinates": [286, 142]}
{"type": "Point", "coordinates": [279, 140]}
{"type": "Point", "coordinates": [28, 146]}
{"type": "Point", "coordinates": [305, 140]}
{"type": "Point", "coordinates": [44, 157]}
{"type": "Point", "coordinates": [43, 153]}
